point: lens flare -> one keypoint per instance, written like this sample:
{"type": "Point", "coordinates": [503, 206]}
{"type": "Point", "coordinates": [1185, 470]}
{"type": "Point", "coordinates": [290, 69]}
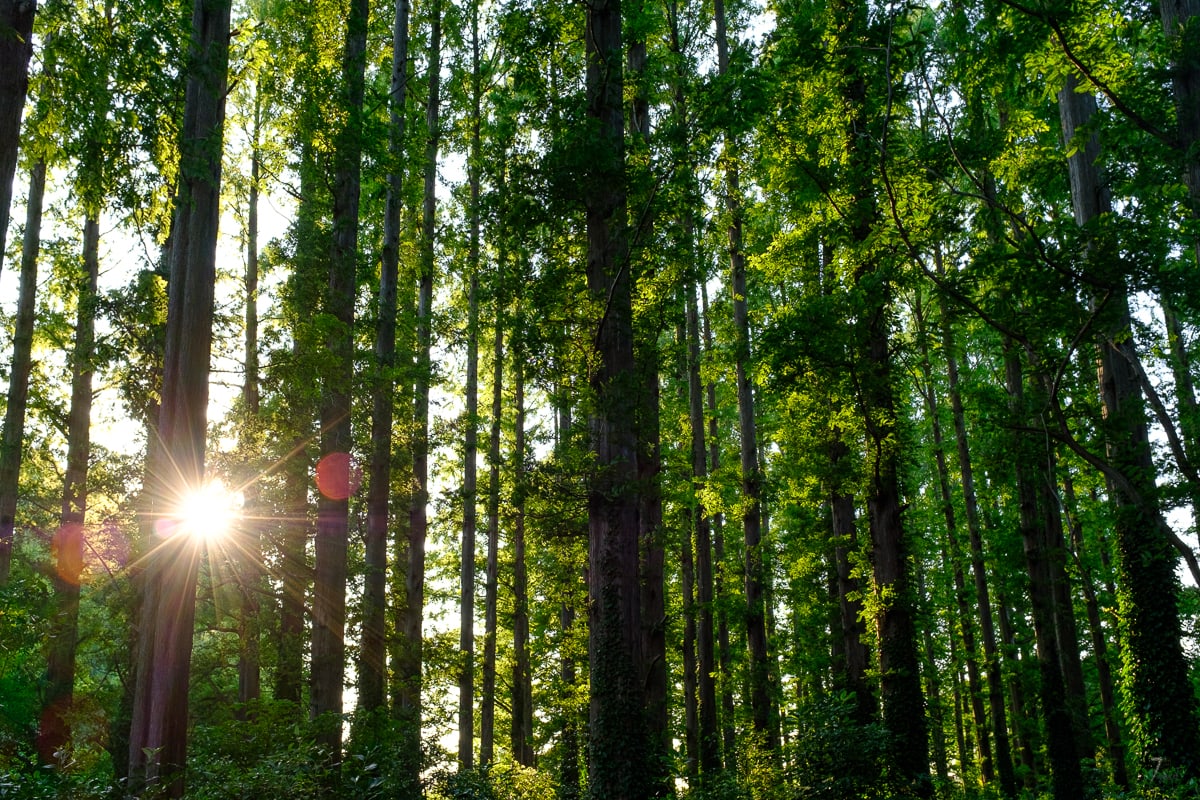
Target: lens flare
{"type": "Point", "coordinates": [210, 512]}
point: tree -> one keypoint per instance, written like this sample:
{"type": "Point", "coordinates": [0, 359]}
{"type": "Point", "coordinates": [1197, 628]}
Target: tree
{"type": "Point", "coordinates": [618, 770]}
{"type": "Point", "coordinates": [158, 735]}
{"type": "Point", "coordinates": [16, 48]}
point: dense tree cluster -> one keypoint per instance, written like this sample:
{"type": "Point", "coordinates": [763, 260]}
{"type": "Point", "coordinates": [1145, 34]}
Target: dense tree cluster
{"type": "Point", "coordinates": [620, 399]}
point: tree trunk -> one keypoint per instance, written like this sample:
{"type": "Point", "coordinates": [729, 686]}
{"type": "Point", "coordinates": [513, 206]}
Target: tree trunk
{"type": "Point", "coordinates": [372, 680]}
{"type": "Point", "coordinates": [1063, 749]}
{"type": "Point", "coordinates": [724, 654]}
{"type": "Point", "coordinates": [522, 693]}
{"type": "Point", "coordinates": [418, 521]}
{"type": "Point", "coordinates": [756, 630]}
{"type": "Point", "coordinates": [335, 472]}
{"type": "Point", "coordinates": [991, 654]}
{"type": "Point", "coordinates": [1104, 680]}
{"type": "Point", "coordinates": [466, 639]}
{"type": "Point", "coordinates": [12, 444]}
{"type": "Point", "coordinates": [16, 48]}
{"type": "Point", "coordinates": [487, 710]}
{"type": "Point", "coordinates": [965, 612]}
{"type": "Point", "coordinates": [54, 730]}
{"type": "Point", "coordinates": [158, 734]}
{"type": "Point", "coordinates": [250, 559]}
{"type": "Point", "coordinates": [618, 759]}
{"type": "Point", "coordinates": [1164, 704]}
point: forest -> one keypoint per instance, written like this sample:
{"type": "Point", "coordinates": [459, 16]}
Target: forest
{"type": "Point", "coordinates": [619, 399]}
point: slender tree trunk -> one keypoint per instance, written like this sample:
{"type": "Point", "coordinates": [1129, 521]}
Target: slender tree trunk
{"type": "Point", "coordinates": [466, 639]}
{"type": "Point", "coordinates": [965, 612]}
{"type": "Point", "coordinates": [1167, 721]}
{"type": "Point", "coordinates": [522, 693]}
{"type": "Point", "coordinates": [249, 558]}
{"type": "Point", "coordinates": [158, 734]}
{"type": "Point", "coordinates": [335, 476]}
{"type": "Point", "coordinates": [691, 710]}
{"type": "Point", "coordinates": [11, 446]}
{"type": "Point", "coordinates": [418, 521]}
{"type": "Point", "coordinates": [991, 654]}
{"type": "Point", "coordinates": [933, 692]}
{"type": "Point", "coordinates": [372, 680]}
{"type": "Point", "coordinates": [756, 631]}
{"type": "Point", "coordinates": [1104, 680]}
{"type": "Point", "coordinates": [1023, 727]}
{"type": "Point", "coordinates": [16, 48]}
{"type": "Point", "coordinates": [54, 730]}
{"type": "Point", "coordinates": [724, 654]}
{"type": "Point", "coordinates": [1063, 749]}
{"type": "Point", "coordinates": [649, 459]}
{"type": "Point", "coordinates": [853, 631]}
{"type": "Point", "coordinates": [487, 711]}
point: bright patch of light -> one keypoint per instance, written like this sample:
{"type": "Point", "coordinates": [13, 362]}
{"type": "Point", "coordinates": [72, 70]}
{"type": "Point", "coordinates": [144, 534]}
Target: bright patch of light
{"type": "Point", "coordinates": [210, 512]}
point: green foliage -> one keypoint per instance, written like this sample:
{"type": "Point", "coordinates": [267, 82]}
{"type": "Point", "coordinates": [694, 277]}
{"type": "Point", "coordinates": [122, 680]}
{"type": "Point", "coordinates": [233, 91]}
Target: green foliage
{"type": "Point", "coordinates": [835, 758]}
{"type": "Point", "coordinates": [501, 781]}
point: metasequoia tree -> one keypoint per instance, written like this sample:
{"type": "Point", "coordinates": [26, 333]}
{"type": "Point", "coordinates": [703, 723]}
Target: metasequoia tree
{"type": "Point", "coordinates": [1166, 722]}
{"type": "Point", "coordinates": [16, 48]}
{"type": "Point", "coordinates": [756, 625]}
{"type": "Point", "coordinates": [158, 734]}
{"type": "Point", "coordinates": [19, 369]}
{"type": "Point", "coordinates": [618, 769]}
{"type": "Point", "coordinates": [372, 665]}
{"type": "Point", "coordinates": [409, 672]}
{"type": "Point", "coordinates": [334, 472]}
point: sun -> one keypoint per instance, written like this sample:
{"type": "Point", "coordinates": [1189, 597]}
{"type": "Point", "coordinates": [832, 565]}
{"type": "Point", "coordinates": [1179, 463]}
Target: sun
{"type": "Point", "coordinates": [210, 512]}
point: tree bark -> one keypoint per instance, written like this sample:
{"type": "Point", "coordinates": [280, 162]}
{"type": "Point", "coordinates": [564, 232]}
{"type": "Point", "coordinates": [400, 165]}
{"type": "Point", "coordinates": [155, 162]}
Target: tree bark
{"type": "Point", "coordinates": [756, 629]}
{"type": "Point", "coordinates": [487, 711]}
{"type": "Point", "coordinates": [619, 768]}
{"type": "Point", "coordinates": [373, 662]}
{"type": "Point", "coordinates": [991, 654]}
{"type": "Point", "coordinates": [333, 502]}
{"type": "Point", "coordinates": [11, 446]}
{"type": "Point", "coordinates": [1167, 722]}
{"type": "Point", "coordinates": [54, 730]}
{"type": "Point", "coordinates": [522, 692]}
{"type": "Point", "coordinates": [16, 48]}
{"type": "Point", "coordinates": [158, 734]}
{"type": "Point", "coordinates": [1062, 747]}
{"type": "Point", "coordinates": [418, 520]}
{"type": "Point", "coordinates": [466, 640]}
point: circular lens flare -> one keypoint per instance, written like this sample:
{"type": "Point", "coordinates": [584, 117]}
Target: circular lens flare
{"type": "Point", "coordinates": [209, 512]}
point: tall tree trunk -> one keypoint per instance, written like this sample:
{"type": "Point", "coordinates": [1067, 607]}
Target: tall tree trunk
{"type": "Point", "coordinates": [487, 710]}
{"type": "Point", "coordinates": [724, 653]}
{"type": "Point", "coordinates": [522, 683]}
{"type": "Point", "coordinates": [418, 521]}
{"type": "Point", "coordinates": [900, 691]}
{"type": "Point", "coordinates": [372, 680]}
{"type": "Point", "coordinates": [756, 629]}
{"type": "Point", "coordinates": [991, 654]}
{"type": "Point", "coordinates": [250, 558]}
{"type": "Point", "coordinates": [466, 638]}
{"type": "Point", "coordinates": [691, 710]}
{"type": "Point", "coordinates": [1024, 728]}
{"type": "Point", "coordinates": [1063, 749]}
{"type": "Point", "coordinates": [335, 471]}
{"type": "Point", "coordinates": [11, 446]}
{"type": "Point", "coordinates": [649, 458]}
{"type": "Point", "coordinates": [1104, 680]}
{"type": "Point", "coordinates": [710, 741]}
{"type": "Point", "coordinates": [965, 612]}
{"type": "Point", "coordinates": [16, 48]}
{"type": "Point", "coordinates": [619, 768]}
{"type": "Point", "coordinates": [852, 629]}
{"type": "Point", "coordinates": [1167, 722]}
{"type": "Point", "coordinates": [158, 734]}
{"type": "Point", "coordinates": [54, 730]}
